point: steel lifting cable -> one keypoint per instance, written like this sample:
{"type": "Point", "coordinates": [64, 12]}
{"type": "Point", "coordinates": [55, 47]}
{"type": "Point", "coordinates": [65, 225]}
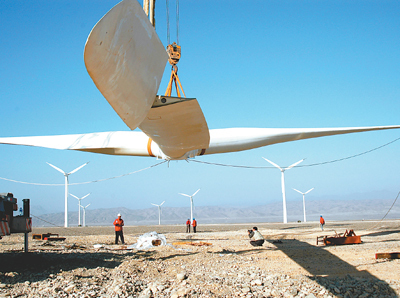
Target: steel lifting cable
{"type": "Point", "coordinates": [80, 232]}
{"type": "Point", "coordinates": [177, 21]}
{"type": "Point", "coordinates": [167, 10]}
{"type": "Point", "coordinates": [87, 182]}
{"type": "Point", "coordinates": [299, 166]}
{"type": "Point", "coordinates": [379, 222]}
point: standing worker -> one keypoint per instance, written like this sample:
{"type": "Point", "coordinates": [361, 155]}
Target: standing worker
{"type": "Point", "coordinates": [321, 222]}
{"type": "Point", "coordinates": [188, 226]}
{"type": "Point", "coordinates": [194, 224]}
{"type": "Point", "coordinates": [119, 223]}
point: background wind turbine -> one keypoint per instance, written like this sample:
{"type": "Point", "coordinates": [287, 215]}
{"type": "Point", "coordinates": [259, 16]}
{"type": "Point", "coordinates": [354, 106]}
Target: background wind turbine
{"type": "Point", "coordinates": [283, 184]}
{"type": "Point", "coordinates": [66, 188]}
{"type": "Point", "coordinates": [304, 201]}
{"type": "Point", "coordinates": [159, 212]}
{"type": "Point", "coordinates": [79, 208]}
{"type": "Point", "coordinates": [84, 214]}
{"type": "Point", "coordinates": [191, 203]}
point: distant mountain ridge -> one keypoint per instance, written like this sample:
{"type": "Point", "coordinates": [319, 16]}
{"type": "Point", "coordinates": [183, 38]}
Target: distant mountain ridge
{"type": "Point", "coordinates": [330, 209]}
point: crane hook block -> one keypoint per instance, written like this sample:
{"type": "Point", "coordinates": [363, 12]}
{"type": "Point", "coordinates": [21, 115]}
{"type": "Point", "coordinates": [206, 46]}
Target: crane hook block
{"type": "Point", "coordinates": [174, 53]}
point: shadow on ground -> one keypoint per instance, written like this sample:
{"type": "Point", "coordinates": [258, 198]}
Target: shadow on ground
{"type": "Point", "coordinates": [382, 233]}
{"type": "Point", "coordinates": [17, 266]}
{"type": "Point", "coordinates": [330, 271]}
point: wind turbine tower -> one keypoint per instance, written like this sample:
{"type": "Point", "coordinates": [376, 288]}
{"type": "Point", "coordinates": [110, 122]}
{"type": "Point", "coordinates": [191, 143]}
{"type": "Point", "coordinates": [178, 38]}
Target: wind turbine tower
{"type": "Point", "coordinates": [79, 207]}
{"type": "Point", "coordinates": [84, 214]}
{"type": "Point", "coordinates": [191, 203]}
{"type": "Point", "coordinates": [159, 212]}
{"type": "Point", "coordinates": [304, 201]}
{"type": "Point", "coordinates": [283, 184]}
{"type": "Point", "coordinates": [66, 188]}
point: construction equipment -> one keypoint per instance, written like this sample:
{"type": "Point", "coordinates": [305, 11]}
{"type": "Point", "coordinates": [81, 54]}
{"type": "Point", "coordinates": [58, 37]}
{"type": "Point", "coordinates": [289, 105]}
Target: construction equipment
{"type": "Point", "coordinates": [174, 54]}
{"type": "Point", "coordinates": [48, 237]}
{"type": "Point", "coordinates": [349, 237]}
{"type": "Point", "coordinates": [9, 223]}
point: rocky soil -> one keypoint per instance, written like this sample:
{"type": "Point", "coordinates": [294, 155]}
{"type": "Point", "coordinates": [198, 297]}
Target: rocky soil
{"type": "Point", "coordinates": [220, 264]}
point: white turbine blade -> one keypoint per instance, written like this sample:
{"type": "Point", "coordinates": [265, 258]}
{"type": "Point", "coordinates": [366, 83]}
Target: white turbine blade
{"type": "Point", "coordinates": [78, 168]}
{"type": "Point", "coordinates": [74, 196]}
{"type": "Point", "coordinates": [85, 196]}
{"type": "Point", "coordinates": [126, 59]}
{"type": "Point", "coordinates": [295, 164]}
{"type": "Point", "coordinates": [196, 192]}
{"type": "Point", "coordinates": [162, 203]}
{"type": "Point", "coordinates": [185, 195]}
{"type": "Point", "coordinates": [274, 164]}
{"type": "Point", "coordinates": [297, 190]}
{"type": "Point", "coordinates": [309, 190]}
{"type": "Point", "coordinates": [154, 204]}
{"type": "Point", "coordinates": [239, 139]}
{"type": "Point", "coordinates": [58, 169]}
{"type": "Point", "coordinates": [134, 143]}
{"type": "Point", "coordinates": [87, 206]}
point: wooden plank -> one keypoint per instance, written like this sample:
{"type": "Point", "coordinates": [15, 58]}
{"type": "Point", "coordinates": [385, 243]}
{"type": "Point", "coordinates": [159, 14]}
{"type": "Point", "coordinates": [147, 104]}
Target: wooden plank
{"type": "Point", "coordinates": [385, 255]}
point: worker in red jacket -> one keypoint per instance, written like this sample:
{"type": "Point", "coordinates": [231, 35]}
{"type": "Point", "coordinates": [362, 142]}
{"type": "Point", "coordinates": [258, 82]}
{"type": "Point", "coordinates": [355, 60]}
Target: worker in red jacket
{"type": "Point", "coordinates": [188, 226]}
{"type": "Point", "coordinates": [194, 224]}
{"type": "Point", "coordinates": [119, 223]}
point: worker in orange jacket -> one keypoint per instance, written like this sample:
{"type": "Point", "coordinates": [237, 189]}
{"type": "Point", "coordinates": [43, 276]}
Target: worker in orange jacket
{"type": "Point", "coordinates": [321, 222]}
{"type": "Point", "coordinates": [188, 226]}
{"type": "Point", "coordinates": [194, 224]}
{"type": "Point", "coordinates": [119, 223]}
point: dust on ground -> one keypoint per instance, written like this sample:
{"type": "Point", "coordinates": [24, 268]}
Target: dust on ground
{"type": "Point", "coordinates": [290, 250]}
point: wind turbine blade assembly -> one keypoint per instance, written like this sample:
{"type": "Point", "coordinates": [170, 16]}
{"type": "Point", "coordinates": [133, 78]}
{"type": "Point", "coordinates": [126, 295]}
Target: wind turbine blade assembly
{"type": "Point", "coordinates": [58, 169]}
{"type": "Point", "coordinates": [274, 164]}
{"type": "Point", "coordinates": [78, 168]}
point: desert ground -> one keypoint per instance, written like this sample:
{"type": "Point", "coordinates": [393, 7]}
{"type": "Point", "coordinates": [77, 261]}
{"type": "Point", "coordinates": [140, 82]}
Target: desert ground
{"type": "Point", "coordinates": [217, 261]}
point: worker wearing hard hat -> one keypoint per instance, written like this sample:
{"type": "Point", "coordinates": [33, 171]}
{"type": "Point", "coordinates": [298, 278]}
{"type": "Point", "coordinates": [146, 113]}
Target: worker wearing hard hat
{"type": "Point", "coordinates": [119, 223]}
{"type": "Point", "coordinates": [194, 224]}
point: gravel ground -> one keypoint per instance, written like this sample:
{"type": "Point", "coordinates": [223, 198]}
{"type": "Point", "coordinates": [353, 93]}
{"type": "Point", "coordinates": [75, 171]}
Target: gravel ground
{"type": "Point", "coordinates": [289, 264]}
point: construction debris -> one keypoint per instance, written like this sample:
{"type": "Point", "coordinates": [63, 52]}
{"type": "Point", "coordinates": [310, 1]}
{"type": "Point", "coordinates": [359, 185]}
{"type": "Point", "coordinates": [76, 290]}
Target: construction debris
{"type": "Point", "coordinates": [48, 237]}
{"type": "Point", "coordinates": [349, 237]}
{"type": "Point", "coordinates": [390, 255]}
{"type": "Point", "coordinates": [149, 240]}
{"type": "Point", "coordinates": [200, 243]}
{"type": "Point", "coordinates": [74, 246]}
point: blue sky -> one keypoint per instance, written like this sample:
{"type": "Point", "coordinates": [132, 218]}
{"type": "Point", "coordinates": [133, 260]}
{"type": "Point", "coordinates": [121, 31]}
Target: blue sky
{"type": "Point", "coordinates": [249, 64]}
